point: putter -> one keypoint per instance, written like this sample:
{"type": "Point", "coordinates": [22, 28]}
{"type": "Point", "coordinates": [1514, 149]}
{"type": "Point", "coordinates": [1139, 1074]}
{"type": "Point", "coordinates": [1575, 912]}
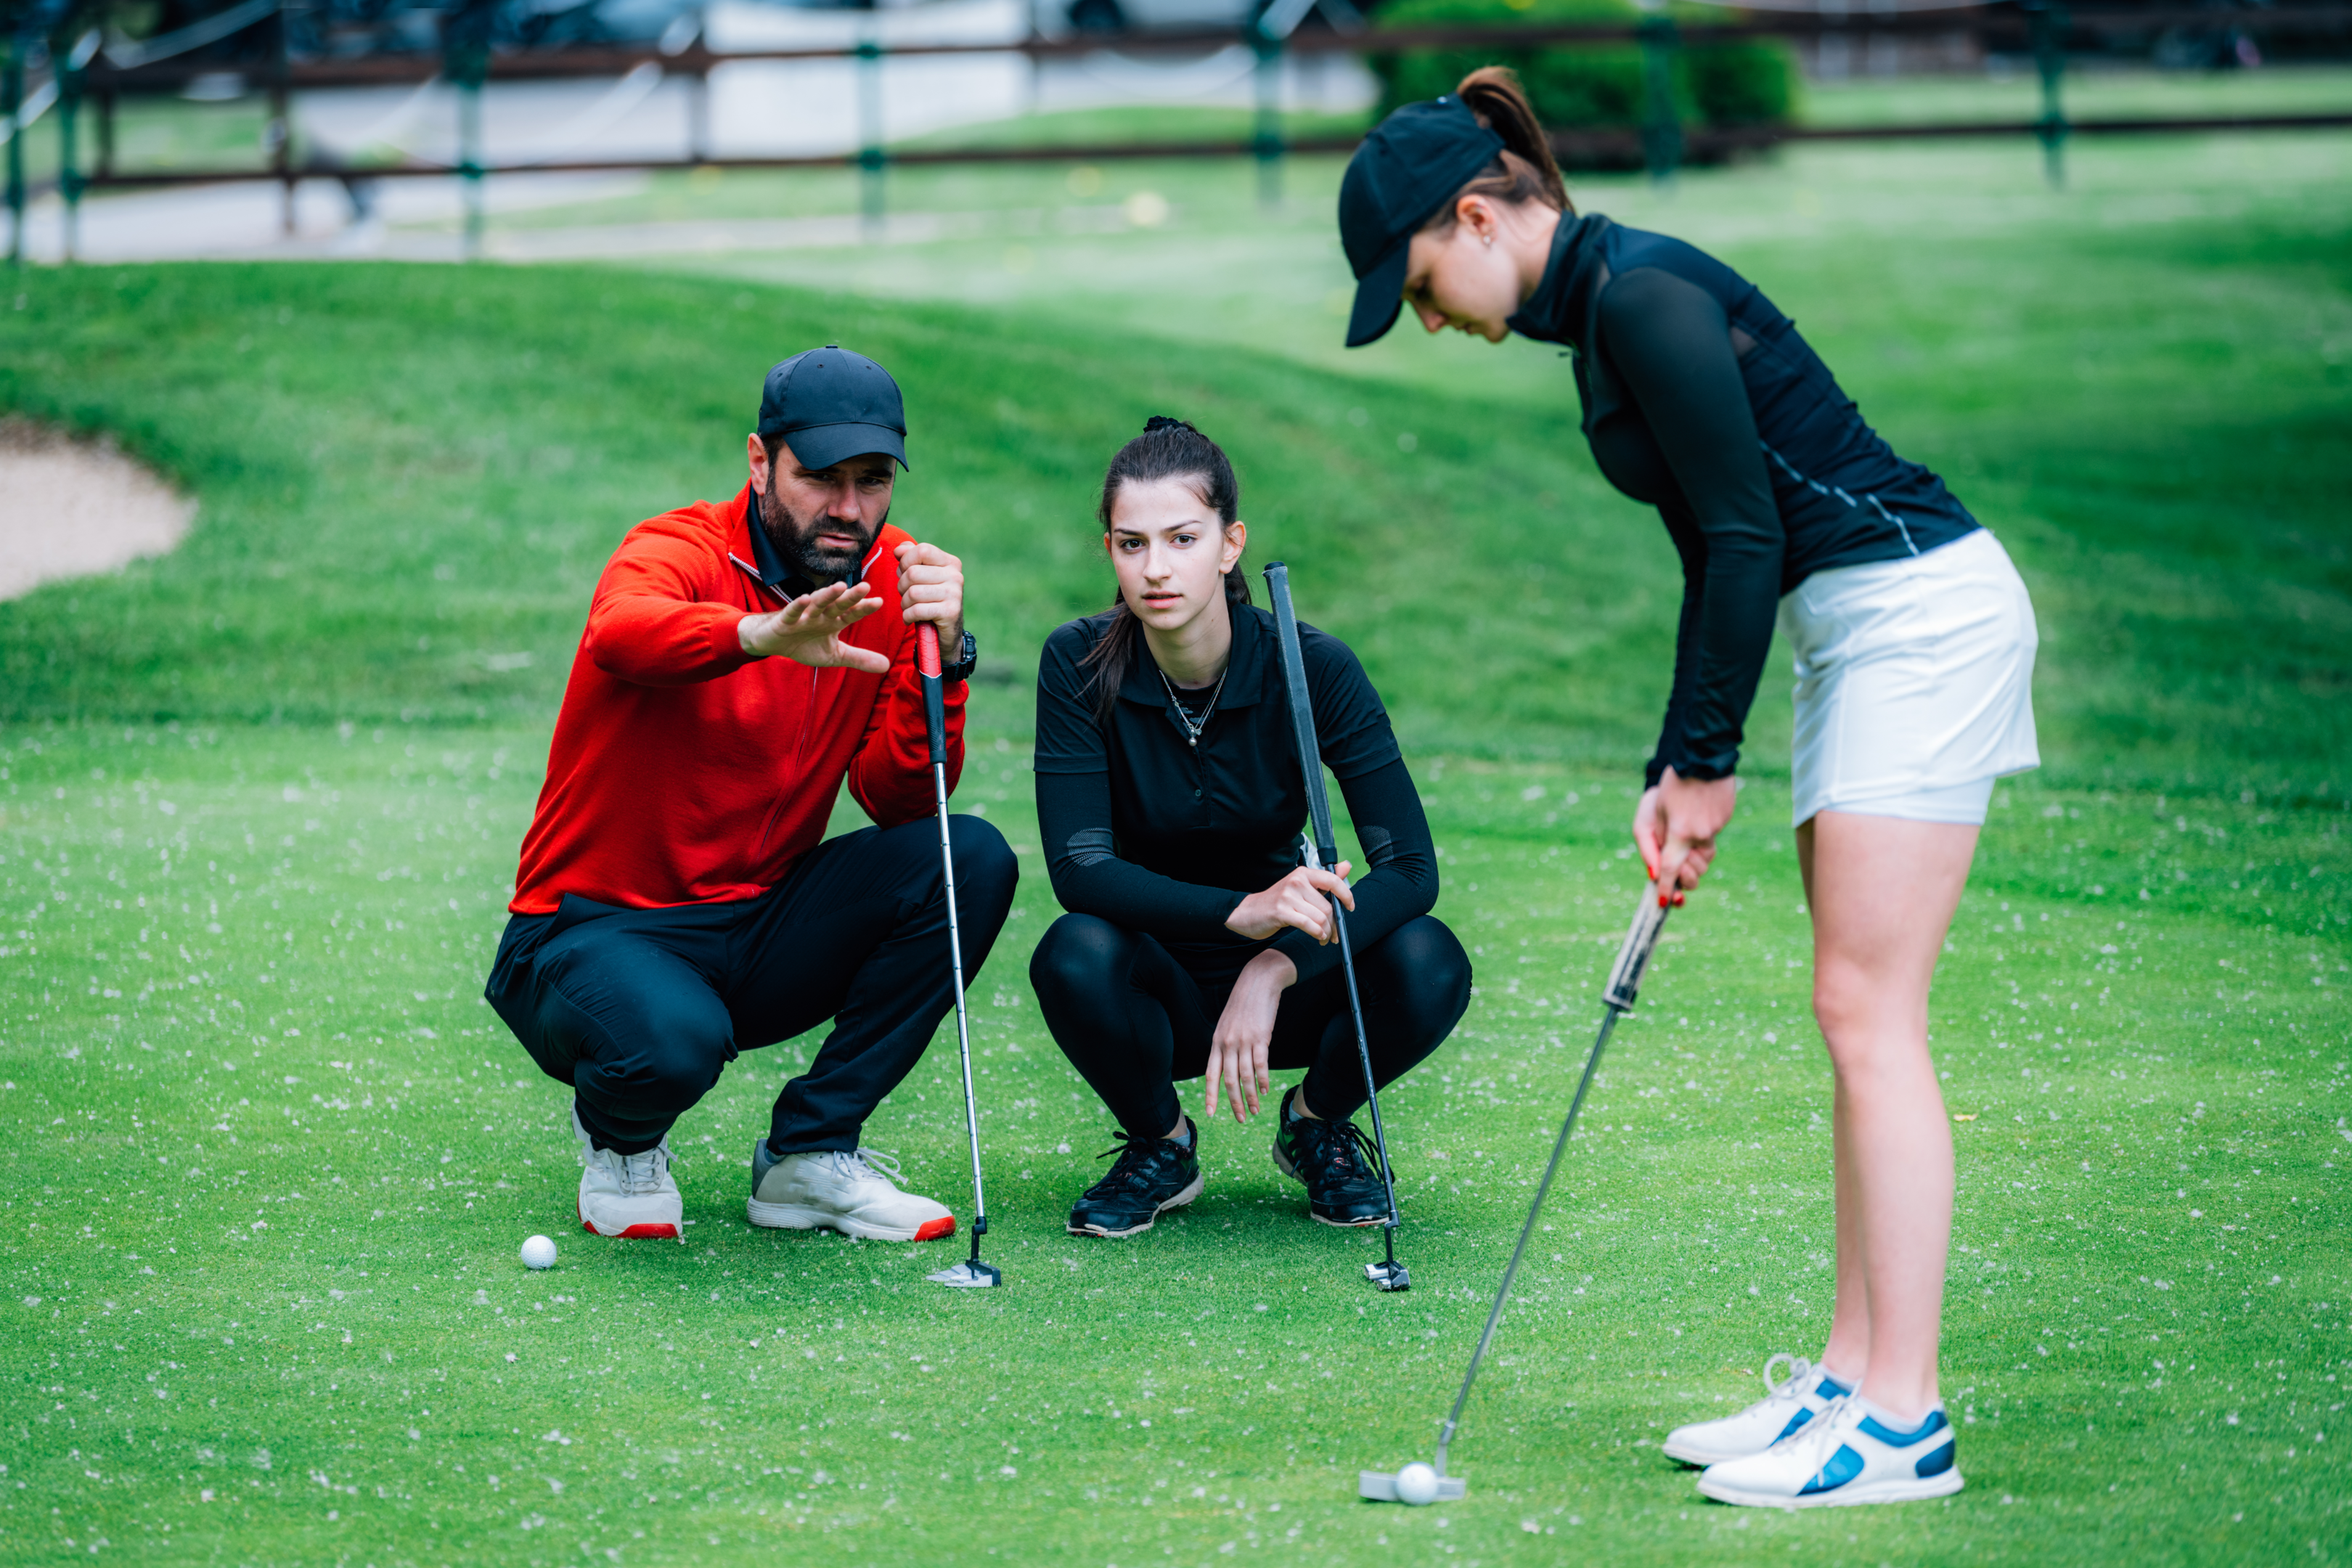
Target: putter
{"type": "Point", "coordinates": [972, 1273]}
{"type": "Point", "coordinates": [1420, 1483]}
{"type": "Point", "coordinates": [1321, 850]}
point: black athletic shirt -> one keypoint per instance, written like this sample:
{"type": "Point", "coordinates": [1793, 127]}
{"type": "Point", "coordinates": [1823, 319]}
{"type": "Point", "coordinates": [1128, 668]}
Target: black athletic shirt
{"type": "Point", "coordinates": [1155, 835]}
{"type": "Point", "coordinates": [1700, 398]}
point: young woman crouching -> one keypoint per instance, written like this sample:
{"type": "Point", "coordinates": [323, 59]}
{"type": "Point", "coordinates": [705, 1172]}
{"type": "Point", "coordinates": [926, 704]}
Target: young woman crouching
{"type": "Point", "coordinates": [1170, 800]}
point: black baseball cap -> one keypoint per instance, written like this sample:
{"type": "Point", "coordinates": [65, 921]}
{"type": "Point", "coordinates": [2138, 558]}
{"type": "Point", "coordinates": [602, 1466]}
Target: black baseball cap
{"type": "Point", "coordinates": [1410, 166]}
{"type": "Point", "coordinates": [830, 404]}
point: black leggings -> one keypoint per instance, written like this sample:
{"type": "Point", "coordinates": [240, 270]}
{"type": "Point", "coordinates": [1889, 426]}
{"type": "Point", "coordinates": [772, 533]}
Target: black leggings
{"type": "Point", "coordinates": [1133, 1019]}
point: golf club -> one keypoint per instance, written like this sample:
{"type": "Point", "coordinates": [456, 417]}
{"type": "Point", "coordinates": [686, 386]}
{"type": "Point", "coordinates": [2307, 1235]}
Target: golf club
{"type": "Point", "coordinates": [972, 1273]}
{"type": "Point", "coordinates": [1418, 1483]}
{"type": "Point", "coordinates": [1322, 850]}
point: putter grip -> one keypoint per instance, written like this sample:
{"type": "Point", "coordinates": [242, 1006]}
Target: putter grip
{"type": "Point", "coordinates": [926, 665]}
{"type": "Point", "coordinates": [1634, 958]}
{"type": "Point", "coordinates": [1302, 713]}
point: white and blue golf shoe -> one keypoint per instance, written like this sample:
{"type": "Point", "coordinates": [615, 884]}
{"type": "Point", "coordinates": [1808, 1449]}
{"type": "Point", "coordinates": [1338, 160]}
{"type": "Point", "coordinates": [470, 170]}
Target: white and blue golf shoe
{"type": "Point", "coordinates": [1850, 1454]}
{"type": "Point", "coordinates": [1789, 1402]}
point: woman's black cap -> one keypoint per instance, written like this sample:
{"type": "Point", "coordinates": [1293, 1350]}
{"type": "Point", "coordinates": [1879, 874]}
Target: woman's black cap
{"type": "Point", "coordinates": [1410, 166]}
{"type": "Point", "coordinates": [830, 405]}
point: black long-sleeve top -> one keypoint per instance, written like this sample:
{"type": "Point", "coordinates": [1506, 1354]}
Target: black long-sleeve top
{"type": "Point", "coordinates": [1152, 833]}
{"type": "Point", "coordinates": [1700, 398]}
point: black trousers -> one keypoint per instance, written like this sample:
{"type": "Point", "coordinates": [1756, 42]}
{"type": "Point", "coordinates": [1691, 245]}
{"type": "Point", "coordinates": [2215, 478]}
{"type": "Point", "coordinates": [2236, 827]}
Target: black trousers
{"type": "Point", "coordinates": [638, 1010]}
{"type": "Point", "coordinates": [1134, 1019]}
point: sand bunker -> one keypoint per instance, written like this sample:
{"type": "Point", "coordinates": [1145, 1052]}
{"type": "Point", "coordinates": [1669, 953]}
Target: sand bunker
{"type": "Point", "coordinates": [68, 509]}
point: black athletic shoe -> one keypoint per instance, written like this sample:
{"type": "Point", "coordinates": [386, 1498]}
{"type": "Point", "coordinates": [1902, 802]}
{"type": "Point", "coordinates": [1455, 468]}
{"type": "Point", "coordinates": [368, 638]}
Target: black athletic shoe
{"type": "Point", "coordinates": [1152, 1176]}
{"type": "Point", "coordinates": [1337, 1162]}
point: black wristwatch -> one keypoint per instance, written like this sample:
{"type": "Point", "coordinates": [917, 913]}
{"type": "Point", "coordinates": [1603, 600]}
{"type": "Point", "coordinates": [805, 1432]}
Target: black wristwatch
{"type": "Point", "coordinates": [965, 664]}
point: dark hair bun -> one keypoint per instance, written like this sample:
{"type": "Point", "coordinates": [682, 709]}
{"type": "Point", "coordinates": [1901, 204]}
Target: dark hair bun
{"type": "Point", "coordinates": [1159, 421]}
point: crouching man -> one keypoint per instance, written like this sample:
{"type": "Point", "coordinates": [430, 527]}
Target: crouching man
{"type": "Point", "coordinates": [674, 905]}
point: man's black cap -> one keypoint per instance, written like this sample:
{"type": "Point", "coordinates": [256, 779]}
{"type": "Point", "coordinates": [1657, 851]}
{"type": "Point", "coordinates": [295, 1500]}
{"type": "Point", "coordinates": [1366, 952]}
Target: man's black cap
{"type": "Point", "coordinates": [830, 404]}
{"type": "Point", "coordinates": [1410, 166]}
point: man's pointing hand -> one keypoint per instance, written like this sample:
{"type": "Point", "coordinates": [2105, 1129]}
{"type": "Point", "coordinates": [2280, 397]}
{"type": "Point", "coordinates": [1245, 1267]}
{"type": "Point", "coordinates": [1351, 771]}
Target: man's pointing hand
{"type": "Point", "coordinates": [808, 630]}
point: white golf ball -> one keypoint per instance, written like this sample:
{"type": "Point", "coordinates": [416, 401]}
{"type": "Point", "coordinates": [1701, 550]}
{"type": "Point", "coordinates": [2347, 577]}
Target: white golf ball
{"type": "Point", "coordinates": [539, 1253]}
{"type": "Point", "coordinates": [1416, 1485]}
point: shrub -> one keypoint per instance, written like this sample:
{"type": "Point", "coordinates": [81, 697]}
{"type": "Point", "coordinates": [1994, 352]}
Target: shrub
{"type": "Point", "coordinates": [1745, 83]}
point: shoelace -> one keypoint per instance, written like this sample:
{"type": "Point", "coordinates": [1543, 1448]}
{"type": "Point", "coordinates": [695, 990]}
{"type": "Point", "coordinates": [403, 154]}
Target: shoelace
{"type": "Point", "coordinates": [1346, 1151]}
{"type": "Point", "coordinates": [1816, 1440]}
{"type": "Point", "coordinates": [1134, 1155]}
{"type": "Point", "coordinates": [643, 1172]}
{"type": "Point", "coordinates": [867, 1164]}
{"type": "Point", "coordinates": [1801, 1373]}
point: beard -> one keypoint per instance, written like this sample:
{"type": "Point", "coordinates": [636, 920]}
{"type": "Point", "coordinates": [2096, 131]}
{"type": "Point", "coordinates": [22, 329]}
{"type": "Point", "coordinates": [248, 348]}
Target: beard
{"type": "Point", "coordinates": [796, 539]}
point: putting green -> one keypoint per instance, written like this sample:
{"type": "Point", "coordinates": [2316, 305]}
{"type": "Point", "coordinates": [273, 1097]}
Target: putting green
{"type": "Point", "coordinates": [271, 1158]}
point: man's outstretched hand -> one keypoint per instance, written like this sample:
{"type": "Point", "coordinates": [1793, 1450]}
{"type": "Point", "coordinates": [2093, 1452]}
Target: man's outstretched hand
{"type": "Point", "coordinates": [808, 630]}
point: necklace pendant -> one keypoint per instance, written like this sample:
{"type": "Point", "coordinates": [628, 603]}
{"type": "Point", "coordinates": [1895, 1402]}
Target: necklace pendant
{"type": "Point", "coordinates": [1193, 741]}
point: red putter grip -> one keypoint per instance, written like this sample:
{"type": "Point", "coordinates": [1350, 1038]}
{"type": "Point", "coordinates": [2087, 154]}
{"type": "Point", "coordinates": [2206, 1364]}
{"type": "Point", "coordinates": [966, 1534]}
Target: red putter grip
{"type": "Point", "coordinates": [927, 649]}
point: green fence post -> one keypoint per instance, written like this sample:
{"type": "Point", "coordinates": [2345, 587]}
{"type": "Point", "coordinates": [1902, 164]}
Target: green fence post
{"type": "Point", "coordinates": [1662, 128]}
{"type": "Point", "coordinates": [871, 159]}
{"type": "Point", "coordinates": [1265, 141]}
{"type": "Point", "coordinates": [12, 99]}
{"type": "Point", "coordinates": [281, 120]}
{"type": "Point", "coordinates": [2048, 22]}
{"type": "Point", "coordinates": [465, 48]}
{"type": "Point", "coordinates": [69, 181]}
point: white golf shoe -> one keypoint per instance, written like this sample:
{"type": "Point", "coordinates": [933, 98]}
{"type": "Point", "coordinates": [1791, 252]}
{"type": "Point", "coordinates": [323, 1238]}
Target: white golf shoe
{"type": "Point", "coordinates": [628, 1196]}
{"type": "Point", "coordinates": [1847, 1454]}
{"type": "Point", "coordinates": [1788, 1404]}
{"type": "Point", "coordinates": [856, 1194]}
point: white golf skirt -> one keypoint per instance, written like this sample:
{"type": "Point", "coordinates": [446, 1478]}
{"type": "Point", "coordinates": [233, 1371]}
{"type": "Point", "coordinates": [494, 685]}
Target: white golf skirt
{"type": "Point", "coordinates": [1914, 683]}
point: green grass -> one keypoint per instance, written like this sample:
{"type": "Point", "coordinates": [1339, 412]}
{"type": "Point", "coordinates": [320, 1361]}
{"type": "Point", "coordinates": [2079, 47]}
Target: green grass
{"type": "Point", "coordinates": [259, 802]}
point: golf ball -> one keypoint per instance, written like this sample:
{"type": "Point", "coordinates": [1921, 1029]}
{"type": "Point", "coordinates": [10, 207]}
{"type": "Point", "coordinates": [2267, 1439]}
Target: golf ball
{"type": "Point", "coordinates": [539, 1253]}
{"type": "Point", "coordinates": [1416, 1485]}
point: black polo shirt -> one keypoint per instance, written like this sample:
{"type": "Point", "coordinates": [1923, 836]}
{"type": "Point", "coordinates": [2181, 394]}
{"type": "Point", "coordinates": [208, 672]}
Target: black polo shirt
{"type": "Point", "coordinates": [1145, 828]}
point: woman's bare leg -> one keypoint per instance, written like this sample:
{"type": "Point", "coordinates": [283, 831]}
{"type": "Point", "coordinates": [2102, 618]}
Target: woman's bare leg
{"type": "Point", "coordinates": [1847, 1355]}
{"type": "Point", "coordinates": [1883, 892]}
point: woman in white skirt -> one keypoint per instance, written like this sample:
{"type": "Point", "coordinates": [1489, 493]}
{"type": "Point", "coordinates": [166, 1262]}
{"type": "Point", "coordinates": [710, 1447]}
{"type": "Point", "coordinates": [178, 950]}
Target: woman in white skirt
{"type": "Point", "coordinates": [1914, 644]}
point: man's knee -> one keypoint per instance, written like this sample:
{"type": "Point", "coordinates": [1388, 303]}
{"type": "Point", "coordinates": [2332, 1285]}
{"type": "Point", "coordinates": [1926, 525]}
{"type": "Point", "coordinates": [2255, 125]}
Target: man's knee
{"type": "Point", "coordinates": [654, 1047]}
{"type": "Point", "coordinates": [985, 866]}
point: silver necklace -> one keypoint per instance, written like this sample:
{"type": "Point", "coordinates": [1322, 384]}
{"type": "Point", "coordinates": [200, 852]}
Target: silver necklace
{"type": "Point", "coordinates": [1192, 728]}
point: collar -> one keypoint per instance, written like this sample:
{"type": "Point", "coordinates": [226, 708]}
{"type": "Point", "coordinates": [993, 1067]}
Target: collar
{"type": "Point", "coordinates": [1566, 307]}
{"type": "Point", "coordinates": [785, 582]}
{"type": "Point", "coordinates": [1560, 310]}
{"type": "Point", "coordinates": [1245, 669]}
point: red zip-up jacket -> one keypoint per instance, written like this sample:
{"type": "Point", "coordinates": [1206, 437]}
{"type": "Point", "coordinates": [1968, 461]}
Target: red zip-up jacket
{"type": "Point", "coordinates": [683, 770]}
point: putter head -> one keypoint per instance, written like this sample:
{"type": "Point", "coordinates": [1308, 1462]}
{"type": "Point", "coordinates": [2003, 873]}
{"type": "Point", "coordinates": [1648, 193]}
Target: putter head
{"type": "Point", "coordinates": [1380, 1486]}
{"type": "Point", "coordinates": [969, 1275]}
{"type": "Point", "coordinates": [1387, 1277]}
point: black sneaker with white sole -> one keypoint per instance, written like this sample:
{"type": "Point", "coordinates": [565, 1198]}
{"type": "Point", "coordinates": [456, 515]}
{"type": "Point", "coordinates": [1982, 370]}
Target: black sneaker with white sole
{"type": "Point", "coordinates": [1338, 1164]}
{"type": "Point", "coordinates": [1150, 1176]}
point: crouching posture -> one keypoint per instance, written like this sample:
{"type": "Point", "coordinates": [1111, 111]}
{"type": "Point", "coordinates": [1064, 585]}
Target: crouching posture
{"type": "Point", "coordinates": [674, 905]}
{"type": "Point", "coordinates": [1170, 800]}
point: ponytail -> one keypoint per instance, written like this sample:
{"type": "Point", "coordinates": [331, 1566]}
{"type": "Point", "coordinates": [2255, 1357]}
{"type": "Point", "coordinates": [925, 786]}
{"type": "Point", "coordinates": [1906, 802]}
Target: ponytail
{"type": "Point", "coordinates": [1168, 450]}
{"type": "Point", "coordinates": [1525, 170]}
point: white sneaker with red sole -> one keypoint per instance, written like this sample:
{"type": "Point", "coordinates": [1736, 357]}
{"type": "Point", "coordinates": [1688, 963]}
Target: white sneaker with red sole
{"type": "Point", "coordinates": [630, 1196]}
{"type": "Point", "coordinates": [855, 1193]}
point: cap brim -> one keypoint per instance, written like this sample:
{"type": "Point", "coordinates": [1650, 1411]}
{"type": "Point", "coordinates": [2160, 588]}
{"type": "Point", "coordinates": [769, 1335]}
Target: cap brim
{"type": "Point", "coordinates": [1380, 296]}
{"type": "Point", "coordinates": [823, 446]}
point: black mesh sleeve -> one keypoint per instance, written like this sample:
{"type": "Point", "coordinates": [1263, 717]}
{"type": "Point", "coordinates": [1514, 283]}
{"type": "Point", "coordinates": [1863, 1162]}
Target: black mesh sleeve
{"type": "Point", "coordinates": [1671, 343]}
{"type": "Point", "coordinates": [1089, 878]}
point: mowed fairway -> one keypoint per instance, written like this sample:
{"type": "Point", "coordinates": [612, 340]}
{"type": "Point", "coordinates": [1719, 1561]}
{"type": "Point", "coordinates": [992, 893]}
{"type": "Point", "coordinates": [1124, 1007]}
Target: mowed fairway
{"type": "Point", "coordinates": [270, 1157]}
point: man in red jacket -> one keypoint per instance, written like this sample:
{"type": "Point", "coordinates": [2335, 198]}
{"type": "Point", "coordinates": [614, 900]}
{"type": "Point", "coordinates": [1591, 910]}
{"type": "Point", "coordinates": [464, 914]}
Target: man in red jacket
{"type": "Point", "coordinates": [674, 905]}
